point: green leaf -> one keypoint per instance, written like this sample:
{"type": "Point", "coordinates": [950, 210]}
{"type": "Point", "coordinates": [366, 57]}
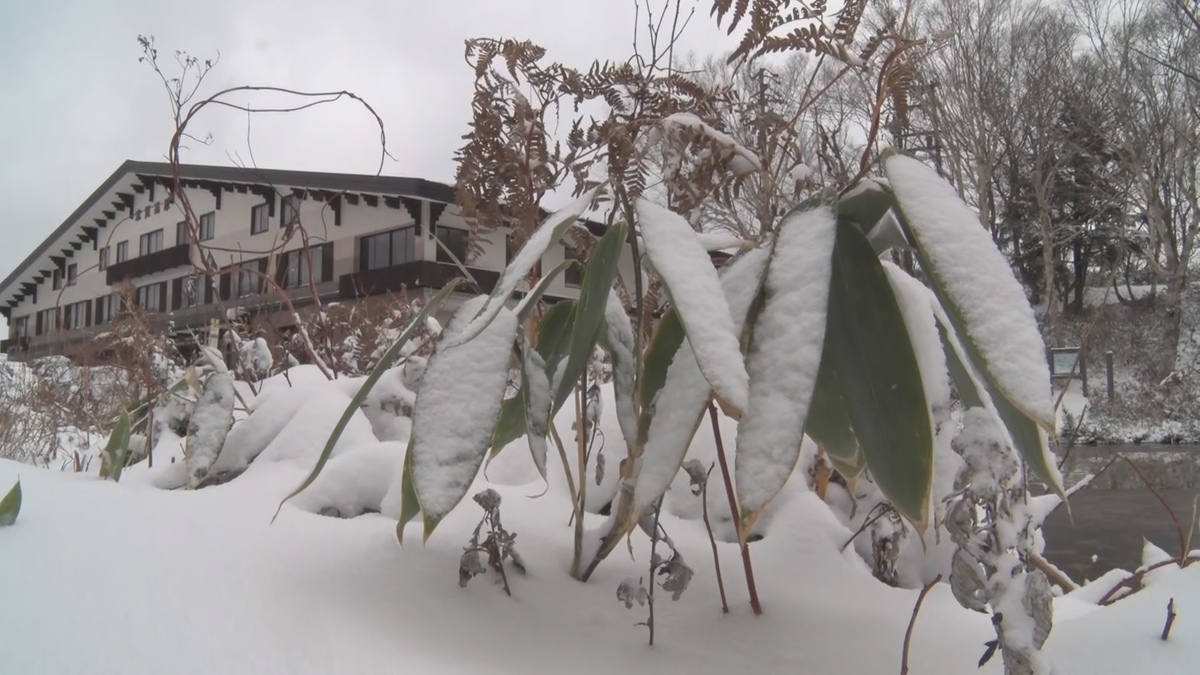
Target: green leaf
{"type": "Point", "coordinates": [589, 310]}
{"type": "Point", "coordinates": [548, 233]}
{"type": "Point", "coordinates": [964, 382]}
{"type": "Point", "coordinates": [385, 362]}
{"type": "Point", "coordinates": [668, 337]}
{"type": "Point", "coordinates": [10, 506]}
{"type": "Point", "coordinates": [828, 421]}
{"type": "Point", "coordinates": [535, 391]}
{"type": "Point", "coordinates": [409, 505]}
{"type": "Point", "coordinates": [881, 384]}
{"type": "Point", "coordinates": [985, 306]}
{"type": "Point", "coordinates": [117, 448]}
{"type": "Point", "coordinates": [849, 468]}
{"type": "Point", "coordinates": [784, 358]}
{"type": "Point", "coordinates": [554, 332]}
{"type": "Point", "coordinates": [866, 204]}
{"type": "Point", "coordinates": [616, 337]}
{"type": "Point", "coordinates": [525, 308]}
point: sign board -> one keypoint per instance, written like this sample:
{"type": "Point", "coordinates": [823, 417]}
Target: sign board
{"type": "Point", "coordinates": [1062, 360]}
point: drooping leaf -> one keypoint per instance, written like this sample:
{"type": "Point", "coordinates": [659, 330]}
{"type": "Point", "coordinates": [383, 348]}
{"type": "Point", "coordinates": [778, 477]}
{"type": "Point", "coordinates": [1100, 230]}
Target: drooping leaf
{"type": "Point", "coordinates": [879, 376]}
{"type": "Point", "coordinates": [668, 337]}
{"type": "Point", "coordinates": [457, 408]}
{"type": "Point", "coordinates": [589, 310]}
{"type": "Point", "coordinates": [385, 362]}
{"type": "Point", "coordinates": [535, 391]}
{"type": "Point", "coordinates": [616, 337]}
{"type": "Point", "coordinates": [548, 233]}
{"type": "Point", "coordinates": [784, 358]}
{"type": "Point", "coordinates": [849, 468]}
{"type": "Point", "coordinates": [117, 449]}
{"type": "Point", "coordinates": [916, 305]}
{"type": "Point", "coordinates": [685, 395]}
{"type": "Point", "coordinates": [964, 383]}
{"type": "Point", "coordinates": [866, 204]}
{"type": "Point", "coordinates": [828, 423]}
{"type": "Point", "coordinates": [553, 334]}
{"type": "Point", "coordinates": [525, 307]}
{"type": "Point", "coordinates": [409, 505]}
{"type": "Point", "coordinates": [983, 303]}
{"type": "Point", "coordinates": [207, 428]}
{"type": "Point", "coordinates": [10, 506]}
{"type": "Point", "coordinates": [695, 290]}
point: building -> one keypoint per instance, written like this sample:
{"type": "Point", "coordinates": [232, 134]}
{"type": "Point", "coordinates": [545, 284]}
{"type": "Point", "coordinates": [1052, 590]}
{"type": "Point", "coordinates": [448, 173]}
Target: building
{"type": "Point", "coordinates": [368, 235]}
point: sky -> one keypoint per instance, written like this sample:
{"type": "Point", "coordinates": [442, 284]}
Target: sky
{"type": "Point", "coordinates": [78, 102]}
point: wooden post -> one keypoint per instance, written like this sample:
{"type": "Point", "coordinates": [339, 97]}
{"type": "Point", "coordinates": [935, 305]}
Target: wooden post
{"type": "Point", "coordinates": [1108, 365]}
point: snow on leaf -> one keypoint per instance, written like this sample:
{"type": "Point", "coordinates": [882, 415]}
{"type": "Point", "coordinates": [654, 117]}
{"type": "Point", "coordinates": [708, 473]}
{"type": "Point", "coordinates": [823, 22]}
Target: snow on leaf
{"type": "Point", "coordinates": [617, 339]}
{"type": "Point", "coordinates": [525, 307]}
{"type": "Point", "coordinates": [695, 290]}
{"type": "Point", "coordinates": [915, 302]}
{"type": "Point", "coordinates": [784, 357]}
{"type": "Point", "coordinates": [538, 402]}
{"type": "Point", "coordinates": [457, 408]}
{"type": "Point", "coordinates": [208, 427]}
{"type": "Point", "coordinates": [679, 405]}
{"type": "Point", "coordinates": [976, 284]}
{"type": "Point", "coordinates": [550, 231]}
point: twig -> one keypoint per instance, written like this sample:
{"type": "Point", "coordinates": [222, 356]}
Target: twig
{"type": "Point", "coordinates": [1134, 581]}
{"type": "Point", "coordinates": [1178, 528]}
{"type": "Point", "coordinates": [653, 563]}
{"type": "Point", "coordinates": [712, 540]}
{"type": "Point", "coordinates": [733, 511]}
{"type": "Point", "coordinates": [912, 622]}
{"type": "Point", "coordinates": [1170, 619]}
{"type": "Point", "coordinates": [581, 486]}
{"type": "Point", "coordinates": [1056, 575]}
{"type": "Point", "coordinates": [868, 521]}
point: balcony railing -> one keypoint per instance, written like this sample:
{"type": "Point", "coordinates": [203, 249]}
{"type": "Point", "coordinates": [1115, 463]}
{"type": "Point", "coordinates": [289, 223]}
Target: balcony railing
{"type": "Point", "coordinates": [159, 261]}
{"type": "Point", "coordinates": [418, 274]}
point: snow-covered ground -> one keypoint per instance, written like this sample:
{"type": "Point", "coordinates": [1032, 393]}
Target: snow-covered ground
{"type": "Point", "coordinates": [127, 578]}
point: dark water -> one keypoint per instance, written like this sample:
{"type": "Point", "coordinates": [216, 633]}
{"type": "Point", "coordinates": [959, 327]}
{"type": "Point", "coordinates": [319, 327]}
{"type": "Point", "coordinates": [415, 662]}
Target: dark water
{"type": "Point", "coordinates": [1111, 519]}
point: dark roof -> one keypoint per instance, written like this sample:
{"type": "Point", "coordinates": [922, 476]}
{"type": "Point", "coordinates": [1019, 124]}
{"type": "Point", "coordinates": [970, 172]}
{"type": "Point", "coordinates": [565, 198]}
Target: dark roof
{"type": "Point", "coordinates": [342, 182]}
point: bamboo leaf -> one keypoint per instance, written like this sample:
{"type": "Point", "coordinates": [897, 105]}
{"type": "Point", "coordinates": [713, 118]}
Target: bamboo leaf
{"type": "Point", "coordinates": [525, 307]}
{"type": "Point", "coordinates": [10, 506]}
{"type": "Point", "coordinates": [849, 468]}
{"type": "Point", "coordinates": [828, 421]}
{"type": "Point", "coordinates": [784, 358]}
{"type": "Point", "coordinates": [695, 290]}
{"type": "Point", "coordinates": [616, 337]}
{"type": "Point", "coordinates": [676, 411]}
{"type": "Point", "coordinates": [455, 414]}
{"type": "Point", "coordinates": [880, 379]}
{"type": "Point", "coordinates": [589, 310]}
{"type": "Point", "coordinates": [983, 303]}
{"type": "Point", "coordinates": [410, 507]}
{"type": "Point", "coordinates": [117, 448]}
{"type": "Point", "coordinates": [548, 233]}
{"type": "Point", "coordinates": [385, 362]}
{"type": "Point", "coordinates": [866, 204]}
{"type": "Point", "coordinates": [664, 344]}
{"type": "Point", "coordinates": [535, 391]}
{"type": "Point", "coordinates": [964, 381]}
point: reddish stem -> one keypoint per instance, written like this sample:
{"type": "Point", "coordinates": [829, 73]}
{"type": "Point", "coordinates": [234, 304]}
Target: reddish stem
{"type": "Point", "coordinates": [733, 510]}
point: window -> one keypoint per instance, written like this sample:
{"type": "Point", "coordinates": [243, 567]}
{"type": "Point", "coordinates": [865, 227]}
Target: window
{"type": "Point", "coordinates": [152, 297]}
{"type": "Point", "coordinates": [258, 219]}
{"type": "Point", "coordinates": [72, 273]}
{"type": "Point", "coordinates": [103, 258]}
{"type": "Point", "coordinates": [245, 278]}
{"type": "Point", "coordinates": [287, 211]}
{"type": "Point", "coordinates": [181, 233]}
{"type": "Point", "coordinates": [77, 315]}
{"type": "Point", "coordinates": [47, 321]}
{"type": "Point", "coordinates": [455, 240]}
{"type": "Point", "coordinates": [208, 225]}
{"type": "Point", "coordinates": [151, 242]}
{"type": "Point", "coordinates": [56, 278]}
{"type": "Point", "coordinates": [20, 327]}
{"type": "Point", "coordinates": [387, 249]}
{"type": "Point", "coordinates": [294, 271]}
{"type": "Point", "coordinates": [186, 291]}
{"type": "Point", "coordinates": [573, 275]}
{"type": "Point", "coordinates": [122, 251]}
{"type": "Point", "coordinates": [106, 308]}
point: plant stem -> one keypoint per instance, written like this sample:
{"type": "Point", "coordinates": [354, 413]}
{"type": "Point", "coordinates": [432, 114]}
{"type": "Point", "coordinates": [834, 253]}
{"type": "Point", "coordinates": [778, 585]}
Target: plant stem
{"type": "Point", "coordinates": [733, 511]}
{"type": "Point", "coordinates": [562, 454]}
{"type": "Point", "coordinates": [712, 540]}
{"type": "Point", "coordinates": [650, 590]}
{"type": "Point", "coordinates": [912, 622]}
{"type": "Point", "coordinates": [581, 448]}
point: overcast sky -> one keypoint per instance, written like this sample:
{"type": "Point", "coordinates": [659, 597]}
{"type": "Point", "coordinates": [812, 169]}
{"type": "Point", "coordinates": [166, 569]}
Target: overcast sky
{"type": "Point", "coordinates": [78, 103]}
